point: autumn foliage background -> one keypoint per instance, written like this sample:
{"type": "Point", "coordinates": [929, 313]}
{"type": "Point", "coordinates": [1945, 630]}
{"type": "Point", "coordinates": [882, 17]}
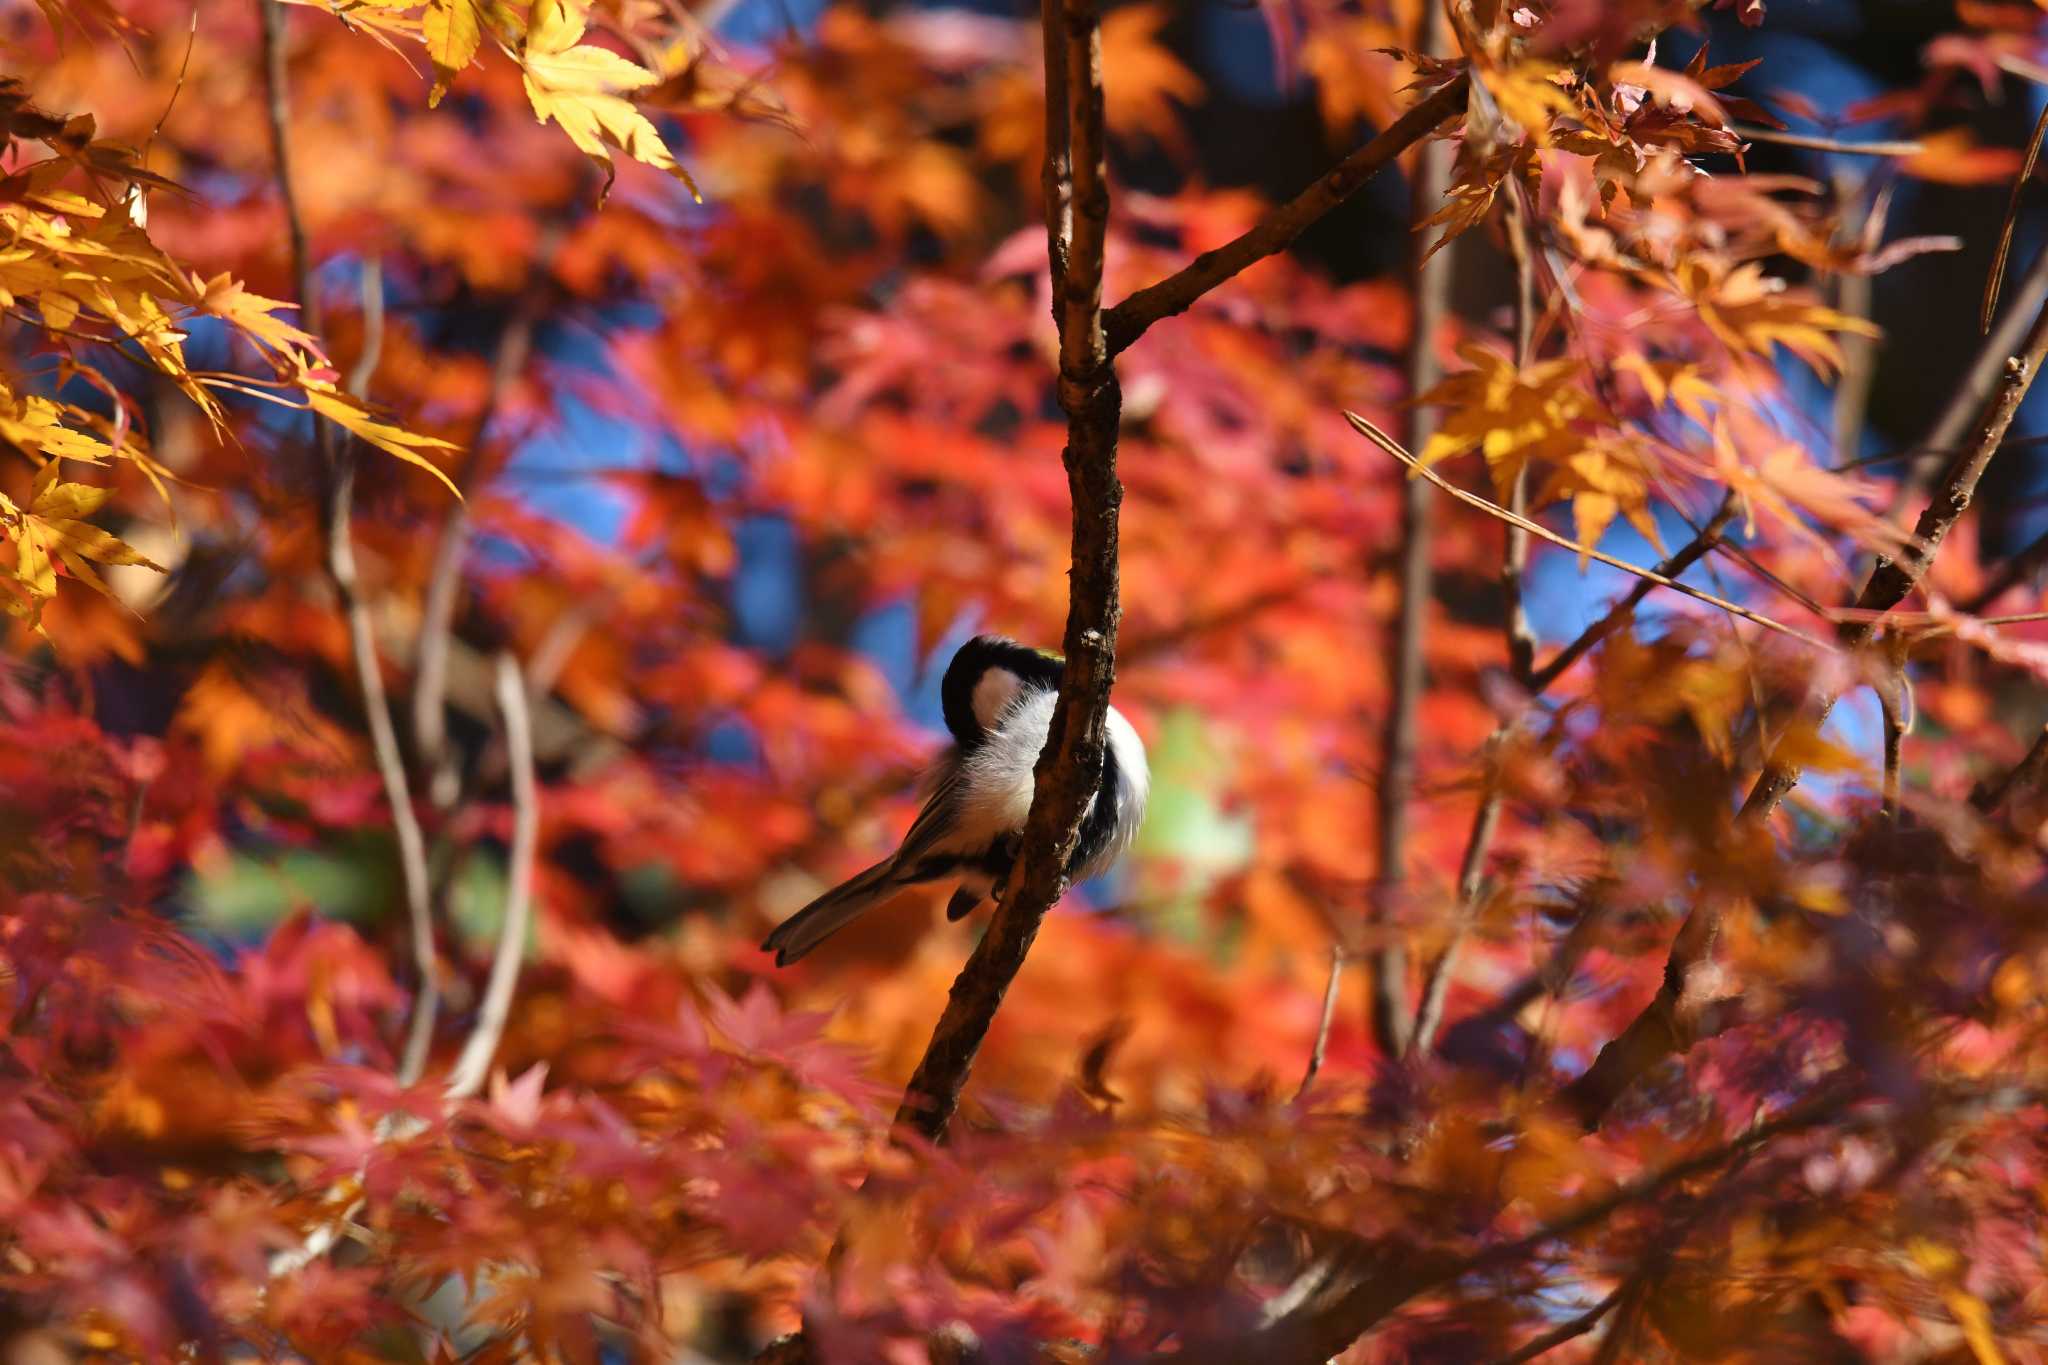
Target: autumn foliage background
{"type": "Point", "coordinates": [731, 323]}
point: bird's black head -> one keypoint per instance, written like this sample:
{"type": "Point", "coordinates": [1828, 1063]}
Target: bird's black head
{"type": "Point", "coordinates": [1020, 666]}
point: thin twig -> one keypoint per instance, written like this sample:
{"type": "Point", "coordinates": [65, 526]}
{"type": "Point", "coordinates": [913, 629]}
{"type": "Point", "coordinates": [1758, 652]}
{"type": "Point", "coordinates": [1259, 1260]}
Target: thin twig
{"type": "Point", "coordinates": [444, 576]}
{"type": "Point", "coordinates": [2028, 775]}
{"type": "Point", "coordinates": [1056, 182]}
{"type": "Point", "coordinates": [277, 91]}
{"type": "Point", "coordinates": [1322, 1043]}
{"type": "Point", "coordinates": [1391, 1021]}
{"type": "Point", "coordinates": [1554, 974]}
{"type": "Point", "coordinates": [1070, 765]}
{"type": "Point", "coordinates": [373, 328]}
{"type": "Point", "coordinates": [1429, 1015]}
{"type": "Point", "coordinates": [1669, 1023]}
{"type": "Point", "coordinates": [1369, 1280]}
{"type": "Point", "coordinates": [1393, 447]}
{"type": "Point", "coordinates": [1514, 564]}
{"type": "Point", "coordinates": [1944, 437]}
{"type": "Point", "coordinates": [1896, 718]}
{"type": "Point", "coordinates": [2010, 573]}
{"type": "Point", "coordinates": [1569, 1330]}
{"type": "Point", "coordinates": [1621, 612]}
{"type": "Point", "coordinates": [1749, 133]}
{"type": "Point", "coordinates": [1863, 222]}
{"type": "Point", "coordinates": [473, 1063]}
{"type": "Point", "coordinates": [336, 525]}
{"type": "Point", "coordinates": [1177, 292]}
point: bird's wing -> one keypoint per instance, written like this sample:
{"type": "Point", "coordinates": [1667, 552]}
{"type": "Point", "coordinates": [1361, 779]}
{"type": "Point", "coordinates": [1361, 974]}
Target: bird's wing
{"type": "Point", "coordinates": [928, 831]}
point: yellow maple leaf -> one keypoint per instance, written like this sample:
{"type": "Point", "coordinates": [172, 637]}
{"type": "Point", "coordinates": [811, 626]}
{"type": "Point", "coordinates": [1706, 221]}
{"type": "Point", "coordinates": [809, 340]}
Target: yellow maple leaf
{"type": "Point", "coordinates": [1749, 312]}
{"type": "Point", "coordinates": [577, 85]}
{"type": "Point", "coordinates": [1509, 415]}
{"type": "Point", "coordinates": [452, 31]}
{"type": "Point", "coordinates": [347, 413]}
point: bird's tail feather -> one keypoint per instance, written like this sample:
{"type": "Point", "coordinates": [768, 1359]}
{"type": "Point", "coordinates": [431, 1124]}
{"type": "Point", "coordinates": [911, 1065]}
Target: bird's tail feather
{"type": "Point", "coordinates": [831, 912]}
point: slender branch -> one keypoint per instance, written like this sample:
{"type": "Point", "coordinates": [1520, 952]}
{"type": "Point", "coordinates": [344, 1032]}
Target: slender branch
{"type": "Point", "coordinates": [1694, 550]}
{"type": "Point", "coordinates": [1392, 1027]}
{"type": "Point", "coordinates": [2028, 776]}
{"type": "Point", "coordinates": [444, 576]}
{"type": "Point", "coordinates": [1514, 565]}
{"type": "Point", "coordinates": [1322, 1043]}
{"type": "Point", "coordinates": [1056, 182]}
{"type": "Point", "coordinates": [1825, 144]}
{"type": "Point", "coordinates": [473, 1063]}
{"type": "Point", "coordinates": [1070, 765]}
{"type": "Point", "coordinates": [2008, 575]}
{"type": "Point", "coordinates": [1853, 292]}
{"type": "Point", "coordinates": [1177, 292]}
{"type": "Point", "coordinates": [1429, 1015]}
{"type": "Point", "coordinates": [277, 91]}
{"type": "Point", "coordinates": [1364, 1282]}
{"type": "Point", "coordinates": [1893, 709]}
{"type": "Point", "coordinates": [373, 328]}
{"type": "Point", "coordinates": [1551, 977]}
{"type": "Point", "coordinates": [1669, 1023]}
{"type": "Point", "coordinates": [1393, 447]}
{"type": "Point", "coordinates": [336, 519]}
{"type": "Point", "coordinates": [1569, 1330]}
{"type": "Point", "coordinates": [1979, 382]}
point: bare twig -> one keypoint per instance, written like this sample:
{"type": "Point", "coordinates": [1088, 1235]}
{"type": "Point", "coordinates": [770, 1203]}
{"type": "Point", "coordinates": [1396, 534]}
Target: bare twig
{"type": "Point", "coordinates": [444, 577]}
{"type": "Point", "coordinates": [1056, 184]}
{"type": "Point", "coordinates": [1070, 765]}
{"type": "Point", "coordinates": [2029, 775]}
{"type": "Point", "coordinates": [1569, 1330]}
{"type": "Point", "coordinates": [1393, 447]}
{"type": "Point", "coordinates": [1391, 1023]}
{"type": "Point", "coordinates": [1361, 1283]}
{"type": "Point", "coordinates": [1980, 380]}
{"type": "Point", "coordinates": [474, 1061]}
{"type": "Point", "coordinates": [337, 515]}
{"type": "Point", "coordinates": [1177, 292]}
{"type": "Point", "coordinates": [277, 91]}
{"type": "Point", "coordinates": [1996, 279]}
{"type": "Point", "coordinates": [2010, 573]}
{"type": "Point", "coordinates": [1895, 709]}
{"type": "Point", "coordinates": [1621, 612]}
{"type": "Point", "coordinates": [1322, 1043]}
{"type": "Point", "coordinates": [1826, 144]}
{"type": "Point", "coordinates": [1668, 1024]}
{"type": "Point", "coordinates": [1863, 221]}
{"type": "Point", "coordinates": [1429, 1015]}
{"type": "Point", "coordinates": [373, 328]}
{"type": "Point", "coordinates": [1521, 638]}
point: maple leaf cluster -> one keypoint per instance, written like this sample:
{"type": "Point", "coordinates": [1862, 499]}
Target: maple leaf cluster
{"type": "Point", "coordinates": [486, 492]}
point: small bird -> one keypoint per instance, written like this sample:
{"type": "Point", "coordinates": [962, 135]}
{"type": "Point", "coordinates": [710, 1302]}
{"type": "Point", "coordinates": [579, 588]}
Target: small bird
{"type": "Point", "coordinates": [998, 698]}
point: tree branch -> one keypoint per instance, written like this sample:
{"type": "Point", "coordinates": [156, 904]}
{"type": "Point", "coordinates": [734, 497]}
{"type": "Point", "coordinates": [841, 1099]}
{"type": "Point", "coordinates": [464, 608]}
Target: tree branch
{"type": "Point", "coordinates": [1669, 1023]}
{"type": "Point", "coordinates": [1391, 1023]}
{"type": "Point", "coordinates": [1521, 638]}
{"type": "Point", "coordinates": [1178, 291]}
{"type": "Point", "coordinates": [1070, 765]}
{"type": "Point", "coordinates": [1979, 382]}
{"type": "Point", "coordinates": [338, 477]}
{"type": "Point", "coordinates": [1569, 1330]}
{"type": "Point", "coordinates": [1694, 550]}
{"type": "Point", "coordinates": [1429, 1018]}
{"type": "Point", "coordinates": [2028, 776]}
{"type": "Point", "coordinates": [474, 1062]}
{"type": "Point", "coordinates": [1360, 1283]}
{"type": "Point", "coordinates": [1542, 532]}
{"type": "Point", "coordinates": [1322, 1043]}
{"type": "Point", "coordinates": [444, 577]}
